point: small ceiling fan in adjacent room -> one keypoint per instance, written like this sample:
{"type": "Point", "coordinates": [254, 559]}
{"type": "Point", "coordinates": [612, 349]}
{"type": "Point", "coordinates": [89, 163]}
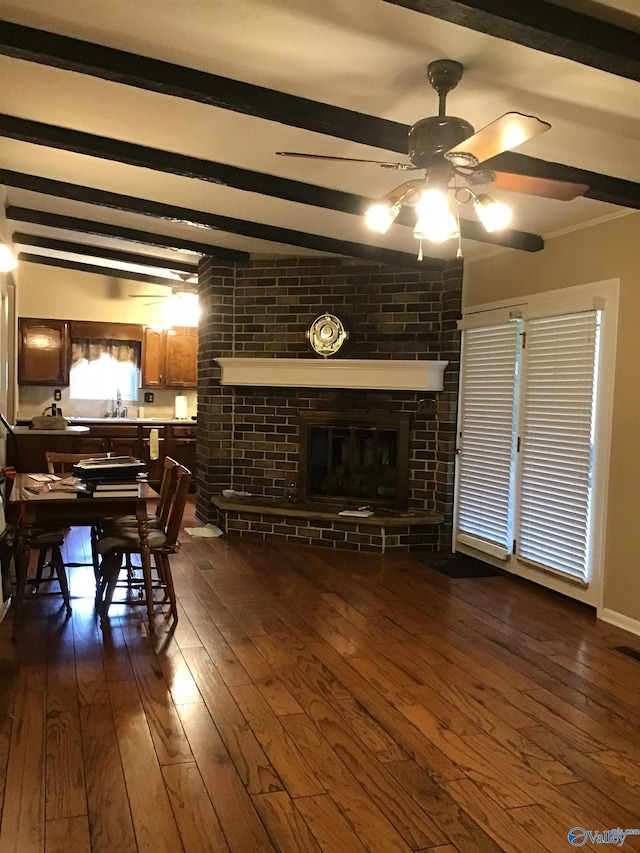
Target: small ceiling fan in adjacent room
{"type": "Point", "coordinates": [452, 157]}
{"type": "Point", "coordinates": [180, 302]}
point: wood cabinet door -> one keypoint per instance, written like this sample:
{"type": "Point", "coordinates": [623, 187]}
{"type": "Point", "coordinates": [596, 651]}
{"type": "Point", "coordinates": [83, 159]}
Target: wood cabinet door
{"type": "Point", "coordinates": [153, 358]}
{"type": "Point", "coordinates": [154, 466]}
{"type": "Point", "coordinates": [91, 445]}
{"type": "Point", "coordinates": [181, 357]}
{"type": "Point", "coordinates": [43, 356]}
{"type": "Point", "coordinates": [181, 445]}
{"type": "Point", "coordinates": [126, 446]}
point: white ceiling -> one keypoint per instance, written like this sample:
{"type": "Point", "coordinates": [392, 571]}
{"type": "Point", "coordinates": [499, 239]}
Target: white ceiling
{"type": "Point", "coordinates": [364, 55]}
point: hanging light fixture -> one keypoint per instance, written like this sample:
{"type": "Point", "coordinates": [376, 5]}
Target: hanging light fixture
{"type": "Point", "coordinates": [437, 217]}
{"type": "Point", "coordinates": [8, 261]}
{"type": "Point", "coordinates": [494, 215]}
{"type": "Point", "coordinates": [436, 222]}
{"type": "Point", "coordinates": [381, 216]}
{"type": "Point", "coordinates": [182, 309]}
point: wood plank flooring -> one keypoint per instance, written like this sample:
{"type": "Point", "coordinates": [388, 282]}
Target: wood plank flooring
{"type": "Point", "coordinates": [316, 700]}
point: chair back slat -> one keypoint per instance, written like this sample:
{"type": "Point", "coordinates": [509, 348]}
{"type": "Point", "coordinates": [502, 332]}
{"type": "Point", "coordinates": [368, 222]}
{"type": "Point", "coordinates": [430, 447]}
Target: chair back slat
{"type": "Point", "coordinates": [62, 463]}
{"type": "Point", "coordinates": [174, 522]}
{"type": "Point", "coordinates": [167, 490]}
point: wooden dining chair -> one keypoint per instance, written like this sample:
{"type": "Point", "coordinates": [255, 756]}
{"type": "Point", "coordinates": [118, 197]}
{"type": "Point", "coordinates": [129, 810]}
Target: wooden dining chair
{"type": "Point", "coordinates": [125, 542]}
{"type": "Point", "coordinates": [62, 463]}
{"type": "Point", "coordinates": [158, 519]}
{"type": "Point", "coordinates": [49, 542]}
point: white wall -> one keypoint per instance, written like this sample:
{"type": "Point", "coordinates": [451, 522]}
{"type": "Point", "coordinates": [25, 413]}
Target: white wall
{"type": "Point", "coordinates": [7, 330]}
{"type": "Point", "coordinates": [61, 294]}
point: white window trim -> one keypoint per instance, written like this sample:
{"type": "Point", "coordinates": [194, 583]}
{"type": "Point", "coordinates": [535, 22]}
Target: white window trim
{"type": "Point", "coordinates": [603, 295]}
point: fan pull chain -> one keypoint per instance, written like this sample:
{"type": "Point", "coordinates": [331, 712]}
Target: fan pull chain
{"type": "Point", "coordinates": [420, 250]}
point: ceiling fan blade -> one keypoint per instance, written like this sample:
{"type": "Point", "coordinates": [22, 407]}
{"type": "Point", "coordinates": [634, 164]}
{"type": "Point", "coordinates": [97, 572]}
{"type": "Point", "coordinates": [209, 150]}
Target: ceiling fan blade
{"type": "Point", "coordinates": [503, 134]}
{"type": "Point", "coordinates": [560, 190]}
{"type": "Point", "coordinates": [403, 167]}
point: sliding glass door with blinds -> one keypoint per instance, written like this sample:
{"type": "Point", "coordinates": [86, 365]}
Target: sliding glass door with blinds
{"type": "Point", "coordinates": [557, 440]}
{"type": "Point", "coordinates": [528, 440]}
{"type": "Point", "coordinates": [487, 437]}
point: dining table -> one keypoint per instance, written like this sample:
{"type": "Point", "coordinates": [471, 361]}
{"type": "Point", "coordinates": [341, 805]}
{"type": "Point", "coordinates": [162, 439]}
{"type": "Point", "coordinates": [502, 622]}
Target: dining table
{"type": "Point", "coordinates": [35, 505]}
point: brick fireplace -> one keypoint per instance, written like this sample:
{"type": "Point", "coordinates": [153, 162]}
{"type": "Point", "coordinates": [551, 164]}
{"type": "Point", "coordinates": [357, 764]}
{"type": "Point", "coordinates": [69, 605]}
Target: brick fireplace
{"type": "Point", "coordinates": [249, 436]}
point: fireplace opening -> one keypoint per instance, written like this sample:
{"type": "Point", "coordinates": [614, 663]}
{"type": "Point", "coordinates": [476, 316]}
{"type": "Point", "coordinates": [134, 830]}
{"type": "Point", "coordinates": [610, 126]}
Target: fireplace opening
{"type": "Point", "coordinates": [354, 458]}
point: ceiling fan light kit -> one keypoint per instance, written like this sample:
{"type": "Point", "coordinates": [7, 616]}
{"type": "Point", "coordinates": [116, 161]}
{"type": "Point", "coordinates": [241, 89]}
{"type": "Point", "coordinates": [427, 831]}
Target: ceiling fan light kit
{"type": "Point", "coordinates": [494, 215]}
{"type": "Point", "coordinates": [449, 151]}
{"type": "Point", "coordinates": [436, 221]}
{"type": "Point", "coordinates": [380, 217]}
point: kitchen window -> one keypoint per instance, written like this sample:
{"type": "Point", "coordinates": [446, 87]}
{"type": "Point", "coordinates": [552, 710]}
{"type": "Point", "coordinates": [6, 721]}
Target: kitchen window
{"type": "Point", "coordinates": [101, 368]}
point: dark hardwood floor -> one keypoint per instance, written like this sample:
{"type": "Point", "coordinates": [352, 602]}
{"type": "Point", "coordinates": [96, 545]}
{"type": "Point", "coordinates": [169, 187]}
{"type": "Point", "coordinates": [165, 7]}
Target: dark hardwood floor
{"type": "Point", "coordinates": [316, 700]}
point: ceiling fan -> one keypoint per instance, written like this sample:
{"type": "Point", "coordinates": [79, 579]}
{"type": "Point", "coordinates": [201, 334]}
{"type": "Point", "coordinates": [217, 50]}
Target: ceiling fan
{"type": "Point", "coordinates": [452, 157]}
{"type": "Point", "coordinates": [186, 291]}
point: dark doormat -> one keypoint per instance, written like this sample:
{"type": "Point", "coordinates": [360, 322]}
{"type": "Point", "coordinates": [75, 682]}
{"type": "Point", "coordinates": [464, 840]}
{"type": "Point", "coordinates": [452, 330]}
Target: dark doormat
{"type": "Point", "coordinates": [459, 565]}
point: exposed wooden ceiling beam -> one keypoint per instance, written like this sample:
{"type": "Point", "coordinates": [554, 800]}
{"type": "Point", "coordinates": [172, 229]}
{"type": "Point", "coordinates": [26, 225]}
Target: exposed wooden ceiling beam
{"type": "Point", "coordinates": [167, 78]}
{"type": "Point", "coordinates": [91, 145]}
{"type": "Point", "coordinates": [132, 235]}
{"type": "Point", "coordinates": [55, 245]}
{"type": "Point", "coordinates": [116, 150]}
{"type": "Point", "coordinates": [545, 27]}
{"type": "Point", "coordinates": [142, 72]}
{"type": "Point", "coordinates": [215, 221]}
{"type": "Point", "coordinates": [92, 268]}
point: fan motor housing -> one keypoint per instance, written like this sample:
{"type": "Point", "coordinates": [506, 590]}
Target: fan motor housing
{"type": "Point", "coordinates": [430, 137]}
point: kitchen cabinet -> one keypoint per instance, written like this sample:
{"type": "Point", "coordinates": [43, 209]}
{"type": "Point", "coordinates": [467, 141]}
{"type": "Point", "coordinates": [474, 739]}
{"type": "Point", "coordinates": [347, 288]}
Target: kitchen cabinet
{"type": "Point", "coordinates": [180, 445]}
{"type": "Point", "coordinates": [154, 466]}
{"type": "Point", "coordinates": [43, 352]}
{"type": "Point", "coordinates": [26, 448]}
{"type": "Point", "coordinates": [178, 440]}
{"type": "Point", "coordinates": [170, 358]}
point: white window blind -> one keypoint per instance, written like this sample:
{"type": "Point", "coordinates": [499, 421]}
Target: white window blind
{"type": "Point", "coordinates": [487, 437]}
{"type": "Point", "coordinates": [557, 440]}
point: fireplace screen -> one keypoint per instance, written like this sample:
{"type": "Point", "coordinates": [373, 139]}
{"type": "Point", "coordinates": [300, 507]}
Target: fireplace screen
{"type": "Point", "coordinates": [356, 459]}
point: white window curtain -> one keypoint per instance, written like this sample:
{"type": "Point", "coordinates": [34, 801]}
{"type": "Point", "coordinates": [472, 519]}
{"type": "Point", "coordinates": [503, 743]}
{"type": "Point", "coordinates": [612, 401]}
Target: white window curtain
{"type": "Point", "coordinates": [486, 441]}
{"type": "Point", "coordinates": [102, 368]}
{"type": "Point", "coordinates": [557, 441]}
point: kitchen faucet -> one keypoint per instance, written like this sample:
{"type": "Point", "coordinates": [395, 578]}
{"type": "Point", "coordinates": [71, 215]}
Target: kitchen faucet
{"type": "Point", "coordinates": [119, 411]}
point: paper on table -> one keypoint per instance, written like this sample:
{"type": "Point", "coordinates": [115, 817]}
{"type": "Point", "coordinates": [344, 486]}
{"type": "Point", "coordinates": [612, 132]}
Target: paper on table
{"type": "Point", "coordinates": [43, 478]}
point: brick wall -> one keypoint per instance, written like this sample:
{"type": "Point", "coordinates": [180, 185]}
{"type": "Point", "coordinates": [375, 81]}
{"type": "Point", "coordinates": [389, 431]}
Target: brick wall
{"type": "Point", "coordinates": [248, 437]}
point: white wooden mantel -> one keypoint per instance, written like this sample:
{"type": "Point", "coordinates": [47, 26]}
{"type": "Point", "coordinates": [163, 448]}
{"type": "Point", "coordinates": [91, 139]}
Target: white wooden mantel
{"type": "Point", "coordinates": [364, 374]}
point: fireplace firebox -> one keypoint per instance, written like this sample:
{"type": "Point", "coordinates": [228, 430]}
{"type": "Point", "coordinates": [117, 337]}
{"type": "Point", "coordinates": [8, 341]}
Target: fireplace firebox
{"type": "Point", "coordinates": [354, 458]}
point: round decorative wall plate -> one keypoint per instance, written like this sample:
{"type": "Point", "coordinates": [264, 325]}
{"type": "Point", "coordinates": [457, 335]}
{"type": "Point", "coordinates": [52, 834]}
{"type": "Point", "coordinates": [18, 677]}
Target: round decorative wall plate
{"type": "Point", "coordinates": [326, 335]}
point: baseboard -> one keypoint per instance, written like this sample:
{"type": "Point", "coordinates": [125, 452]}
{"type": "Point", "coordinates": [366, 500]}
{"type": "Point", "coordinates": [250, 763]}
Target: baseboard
{"type": "Point", "coordinates": [620, 620]}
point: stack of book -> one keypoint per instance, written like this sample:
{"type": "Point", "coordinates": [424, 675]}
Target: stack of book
{"type": "Point", "coordinates": [113, 488]}
{"type": "Point", "coordinates": [114, 477]}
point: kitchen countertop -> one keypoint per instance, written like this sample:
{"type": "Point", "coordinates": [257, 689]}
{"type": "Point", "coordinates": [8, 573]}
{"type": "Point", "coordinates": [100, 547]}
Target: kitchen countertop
{"type": "Point", "coordinates": [80, 422]}
{"type": "Point", "coordinates": [25, 430]}
{"type": "Point", "coordinates": [124, 421]}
